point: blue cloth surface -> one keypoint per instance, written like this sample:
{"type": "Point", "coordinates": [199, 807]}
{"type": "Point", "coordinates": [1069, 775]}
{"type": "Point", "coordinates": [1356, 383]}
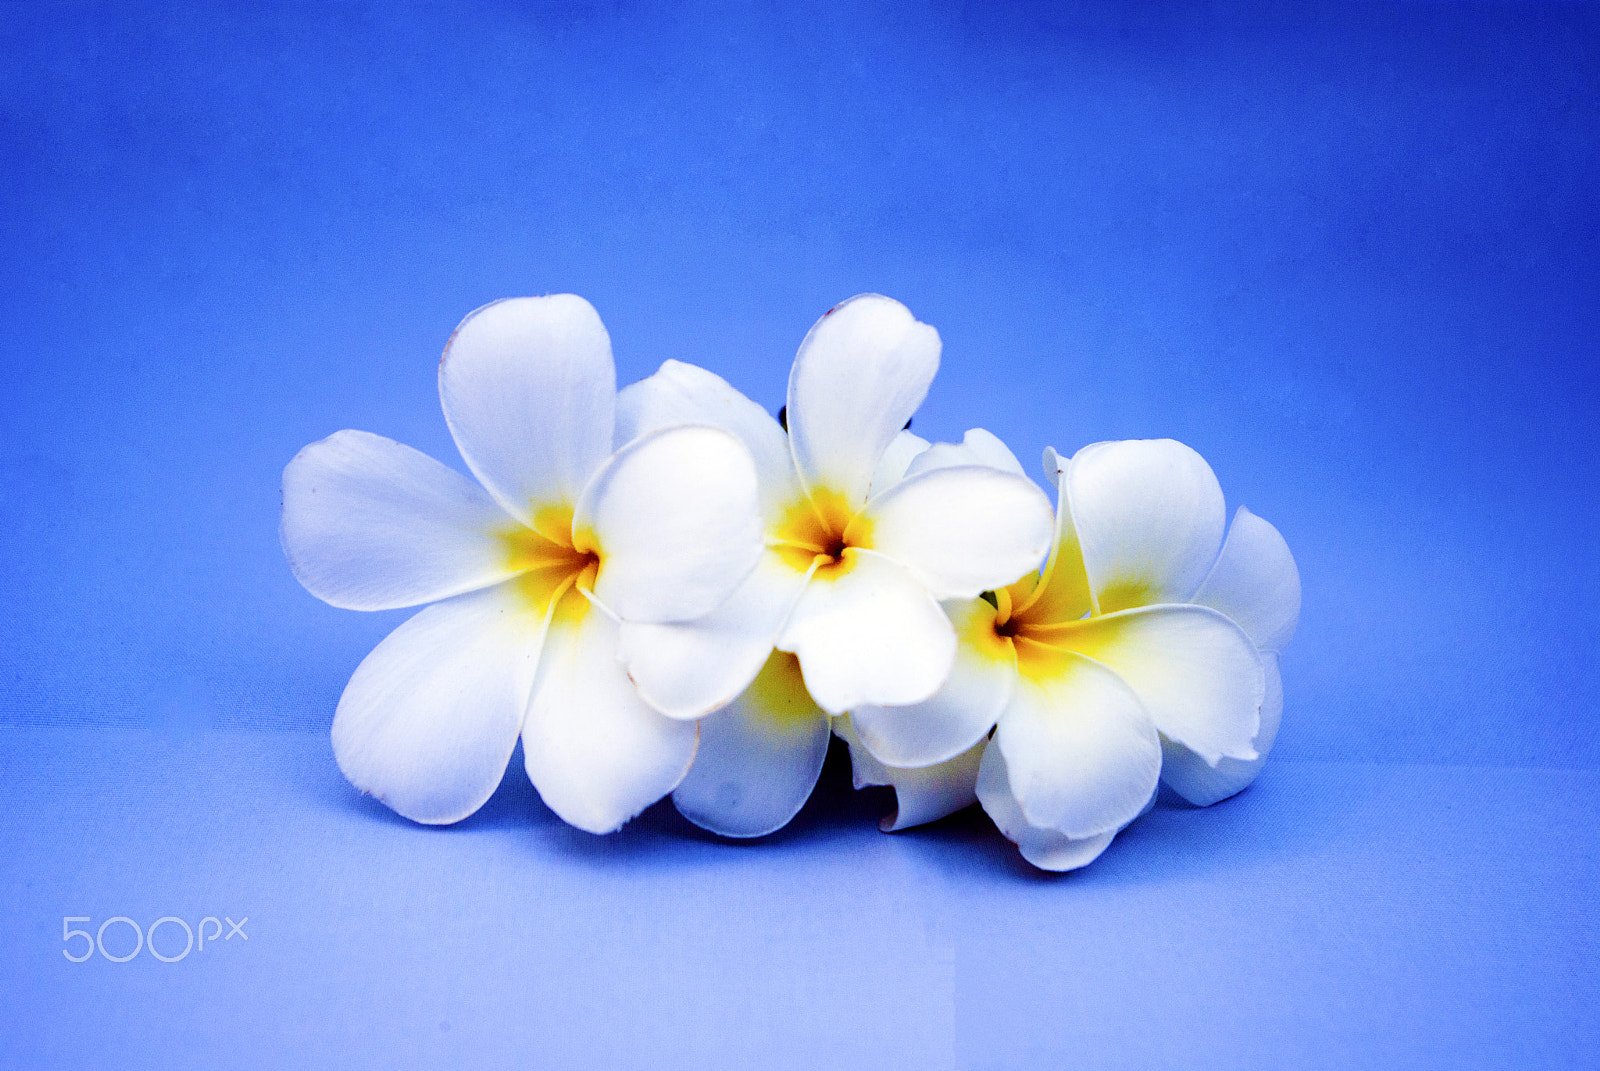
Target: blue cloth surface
{"type": "Point", "coordinates": [1347, 253]}
{"type": "Point", "coordinates": [1333, 916]}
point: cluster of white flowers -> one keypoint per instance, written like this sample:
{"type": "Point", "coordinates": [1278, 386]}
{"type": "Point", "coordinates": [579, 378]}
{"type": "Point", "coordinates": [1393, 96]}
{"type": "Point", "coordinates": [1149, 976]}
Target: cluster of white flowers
{"type": "Point", "coordinates": [663, 590]}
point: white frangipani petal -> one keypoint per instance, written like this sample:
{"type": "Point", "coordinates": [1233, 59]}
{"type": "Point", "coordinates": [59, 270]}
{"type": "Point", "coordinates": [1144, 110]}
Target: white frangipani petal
{"type": "Point", "coordinates": [867, 631]}
{"type": "Point", "coordinates": [860, 373]}
{"type": "Point", "coordinates": [865, 770]}
{"type": "Point", "coordinates": [529, 391]}
{"type": "Point", "coordinates": [1082, 754]}
{"type": "Point", "coordinates": [1255, 582]}
{"type": "Point", "coordinates": [759, 757]}
{"type": "Point", "coordinates": [962, 531]}
{"type": "Point", "coordinates": [674, 518]}
{"type": "Point", "coordinates": [977, 447]}
{"type": "Point", "coordinates": [1047, 849]}
{"type": "Point", "coordinates": [1062, 590]}
{"type": "Point", "coordinates": [597, 754]}
{"type": "Point", "coordinates": [1149, 517]}
{"type": "Point", "coordinates": [1187, 773]}
{"type": "Point", "coordinates": [428, 721]}
{"type": "Point", "coordinates": [961, 713]}
{"type": "Point", "coordinates": [688, 669]}
{"type": "Point", "coordinates": [1054, 465]}
{"type": "Point", "coordinates": [682, 393]}
{"type": "Point", "coordinates": [1194, 670]}
{"type": "Point", "coordinates": [369, 524]}
{"type": "Point", "coordinates": [924, 794]}
{"type": "Point", "coordinates": [930, 793]}
{"type": "Point", "coordinates": [903, 449]}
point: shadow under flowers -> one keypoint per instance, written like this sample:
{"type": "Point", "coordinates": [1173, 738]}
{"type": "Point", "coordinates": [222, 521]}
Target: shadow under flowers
{"type": "Point", "coordinates": [1292, 810]}
{"type": "Point", "coordinates": [835, 811]}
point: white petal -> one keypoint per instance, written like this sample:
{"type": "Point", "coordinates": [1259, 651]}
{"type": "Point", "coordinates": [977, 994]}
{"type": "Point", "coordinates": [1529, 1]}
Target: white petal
{"type": "Point", "coordinates": [1187, 773]}
{"type": "Point", "coordinates": [675, 517]}
{"type": "Point", "coordinates": [369, 524]}
{"type": "Point", "coordinates": [960, 714]}
{"type": "Point", "coordinates": [962, 531]}
{"type": "Point", "coordinates": [529, 391]}
{"type": "Point", "coordinates": [1255, 582]}
{"type": "Point", "coordinates": [759, 757]}
{"type": "Point", "coordinates": [1047, 849]}
{"type": "Point", "coordinates": [1065, 592]}
{"type": "Point", "coordinates": [869, 633]}
{"type": "Point", "coordinates": [1196, 672]}
{"type": "Point", "coordinates": [1054, 465]}
{"type": "Point", "coordinates": [977, 447]}
{"type": "Point", "coordinates": [429, 719]}
{"type": "Point", "coordinates": [597, 754]}
{"type": "Point", "coordinates": [903, 449]}
{"type": "Point", "coordinates": [682, 393]}
{"type": "Point", "coordinates": [930, 793]}
{"type": "Point", "coordinates": [861, 372]}
{"type": "Point", "coordinates": [922, 795]}
{"type": "Point", "coordinates": [864, 769]}
{"type": "Point", "coordinates": [1149, 516]}
{"type": "Point", "coordinates": [688, 669]}
{"type": "Point", "coordinates": [1083, 755]}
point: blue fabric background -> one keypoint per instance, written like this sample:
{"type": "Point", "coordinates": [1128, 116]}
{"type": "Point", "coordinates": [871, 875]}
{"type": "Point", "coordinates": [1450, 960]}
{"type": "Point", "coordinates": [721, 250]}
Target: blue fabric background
{"type": "Point", "coordinates": [1349, 254]}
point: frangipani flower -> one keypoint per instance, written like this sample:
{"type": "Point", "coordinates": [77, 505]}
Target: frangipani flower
{"type": "Point", "coordinates": [848, 590]}
{"type": "Point", "coordinates": [1084, 669]}
{"type": "Point", "coordinates": [531, 575]}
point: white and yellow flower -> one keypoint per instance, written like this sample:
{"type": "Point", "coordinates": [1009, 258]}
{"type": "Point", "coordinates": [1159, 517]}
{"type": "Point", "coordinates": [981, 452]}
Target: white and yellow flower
{"type": "Point", "coordinates": [1086, 669]}
{"type": "Point", "coordinates": [844, 607]}
{"type": "Point", "coordinates": [1252, 580]}
{"type": "Point", "coordinates": [531, 575]}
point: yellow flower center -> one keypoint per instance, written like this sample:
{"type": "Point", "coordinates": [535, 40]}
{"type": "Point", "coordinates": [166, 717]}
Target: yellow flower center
{"type": "Point", "coordinates": [822, 530]}
{"type": "Point", "coordinates": [1024, 626]}
{"type": "Point", "coordinates": [555, 565]}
